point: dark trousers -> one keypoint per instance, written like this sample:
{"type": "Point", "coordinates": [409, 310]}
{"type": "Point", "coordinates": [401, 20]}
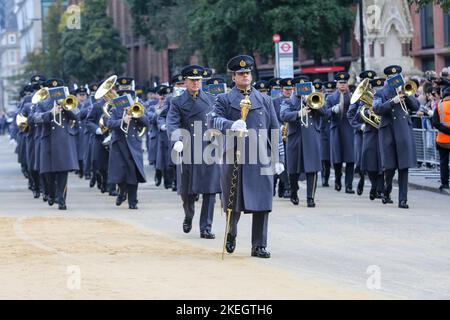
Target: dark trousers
{"type": "Point", "coordinates": [311, 183]}
{"type": "Point", "coordinates": [259, 227]}
{"type": "Point", "coordinates": [207, 211]}
{"type": "Point", "coordinates": [283, 181]}
{"type": "Point", "coordinates": [43, 183]}
{"type": "Point", "coordinates": [444, 155]}
{"type": "Point", "coordinates": [81, 166]}
{"type": "Point", "coordinates": [57, 185]}
{"type": "Point", "coordinates": [102, 178]}
{"type": "Point", "coordinates": [402, 183]}
{"type": "Point", "coordinates": [35, 180]}
{"type": "Point", "coordinates": [129, 190]}
{"type": "Point", "coordinates": [326, 165]}
{"type": "Point", "coordinates": [376, 181]}
{"type": "Point", "coordinates": [168, 175]}
{"type": "Point", "coordinates": [349, 172]}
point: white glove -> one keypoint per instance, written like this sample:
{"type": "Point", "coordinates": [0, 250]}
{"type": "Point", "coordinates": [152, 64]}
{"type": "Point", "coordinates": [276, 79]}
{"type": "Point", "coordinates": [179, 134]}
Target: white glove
{"type": "Point", "coordinates": [303, 112]}
{"type": "Point", "coordinates": [279, 168]}
{"type": "Point", "coordinates": [239, 125]}
{"type": "Point", "coordinates": [363, 127]}
{"type": "Point", "coordinates": [398, 98]}
{"type": "Point", "coordinates": [127, 119]}
{"type": "Point", "coordinates": [163, 127]}
{"type": "Point", "coordinates": [178, 146]}
{"type": "Point", "coordinates": [430, 113]}
{"type": "Point", "coordinates": [335, 109]}
{"type": "Point", "coordinates": [98, 131]}
{"type": "Point", "coordinates": [12, 141]}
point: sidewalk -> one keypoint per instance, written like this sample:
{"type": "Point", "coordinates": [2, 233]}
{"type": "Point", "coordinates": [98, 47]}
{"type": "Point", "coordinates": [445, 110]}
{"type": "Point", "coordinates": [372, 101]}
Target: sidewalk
{"type": "Point", "coordinates": [424, 179]}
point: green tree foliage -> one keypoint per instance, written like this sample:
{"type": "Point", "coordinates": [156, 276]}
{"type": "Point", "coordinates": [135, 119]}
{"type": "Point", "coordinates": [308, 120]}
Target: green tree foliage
{"type": "Point", "coordinates": [80, 54]}
{"type": "Point", "coordinates": [223, 28]}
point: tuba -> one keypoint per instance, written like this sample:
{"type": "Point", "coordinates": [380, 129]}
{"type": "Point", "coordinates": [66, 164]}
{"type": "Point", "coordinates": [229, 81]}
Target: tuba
{"type": "Point", "coordinates": [40, 95]}
{"type": "Point", "coordinates": [106, 90]}
{"type": "Point", "coordinates": [363, 93]}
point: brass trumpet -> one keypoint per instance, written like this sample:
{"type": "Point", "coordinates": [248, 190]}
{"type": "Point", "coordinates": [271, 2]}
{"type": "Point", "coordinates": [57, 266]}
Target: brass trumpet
{"type": "Point", "coordinates": [315, 100]}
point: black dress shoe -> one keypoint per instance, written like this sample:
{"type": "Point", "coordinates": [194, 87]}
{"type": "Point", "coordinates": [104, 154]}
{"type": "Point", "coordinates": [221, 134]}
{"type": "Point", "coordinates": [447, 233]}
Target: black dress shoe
{"type": "Point", "coordinates": [158, 180]}
{"type": "Point", "coordinates": [51, 201]}
{"type": "Point", "coordinates": [350, 191]}
{"type": "Point", "coordinates": [132, 206]}
{"type": "Point", "coordinates": [280, 192]}
{"type": "Point", "coordinates": [62, 206]}
{"type": "Point", "coordinates": [325, 184]}
{"type": "Point", "coordinates": [387, 199]}
{"type": "Point", "coordinates": [260, 252]}
{"type": "Point", "coordinates": [337, 186]}
{"type": "Point", "coordinates": [45, 198]}
{"type": "Point", "coordinates": [287, 194]}
{"type": "Point", "coordinates": [92, 182]}
{"type": "Point", "coordinates": [36, 194]}
{"type": "Point", "coordinates": [113, 193]}
{"type": "Point", "coordinates": [310, 202]}
{"type": "Point", "coordinates": [231, 243]}
{"type": "Point", "coordinates": [443, 186]}
{"type": "Point", "coordinates": [372, 195]}
{"type": "Point", "coordinates": [360, 187]}
{"type": "Point", "coordinates": [120, 199]}
{"type": "Point", "coordinates": [403, 204]}
{"type": "Point", "coordinates": [187, 225]}
{"type": "Point", "coordinates": [207, 234]}
{"type": "Point", "coordinates": [294, 198]}
{"type": "Point", "coordinates": [379, 195]}
{"type": "Point", "coordinates": [197, 197]}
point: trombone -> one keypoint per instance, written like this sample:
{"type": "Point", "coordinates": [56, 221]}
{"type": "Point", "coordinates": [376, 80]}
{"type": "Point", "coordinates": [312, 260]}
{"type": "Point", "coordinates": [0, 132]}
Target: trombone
{"type": "Point", "coordinates": [316, 101]}
{"type": "Point", "coordinates": [408, 89]}
{"type": "Point", "coordinates": [136, 110]}
{"type": "Point", "coordinates": [69, 103]}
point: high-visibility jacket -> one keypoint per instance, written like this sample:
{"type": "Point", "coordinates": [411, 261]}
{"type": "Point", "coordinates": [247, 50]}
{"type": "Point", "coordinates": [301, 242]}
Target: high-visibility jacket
{"type": "Point", "coordinates": [444, 119]}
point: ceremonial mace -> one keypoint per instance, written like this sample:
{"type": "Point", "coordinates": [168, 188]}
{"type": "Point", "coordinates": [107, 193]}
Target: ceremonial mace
{"type": "Point", "coordinates": [245, 106]}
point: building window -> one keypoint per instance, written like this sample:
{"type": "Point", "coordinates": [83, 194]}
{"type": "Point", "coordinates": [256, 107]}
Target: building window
{"type": "Point", "coordinates": [447, 62]}
{"type": "Point", "coordinates": [372, 49]}
{"type": "Point", "coordinates": [426, 26]}
{"type": "Point", "coordinates": [428, 64]}
{"type": "Point", "coordinates": [12, 57]}
{"type": "Point", "coordinates": [12, 39]}
{"type": "Point", "coordinates": [447, 28]}
{"type": "Point", "coordinates": [346, 44]}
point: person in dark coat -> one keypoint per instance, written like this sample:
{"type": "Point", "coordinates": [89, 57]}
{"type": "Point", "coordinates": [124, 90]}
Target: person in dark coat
{"type": "Point", "coordinates": [397, 147]}
{"type": "Point", "coordinates": [58, 146]}
{"type": "Point", "coordinates": [341, 133]}
{"type": "Point", "coordinates": [188, 112]}
{"type": "Point", "coordinates": [325, 123]}
{"type": "Point", "coordinates": [126, 163]}
{"type": "Point", "coordinates": [359, 131]}
{"type": "Point", "coordinates": [152, 131]}
{"type": "Point", "coordinates": [302, 145]}
{"type": "Point", "coordinates": [254, 185]}
{"type": "Point", "coordinates": [287, 88]}
{"type": "Point", "coordinates": [370, 161]}
{"type": "Point", "coordinates": [81, 137]}
{"type": "Point", "coordinates": [164, 164]}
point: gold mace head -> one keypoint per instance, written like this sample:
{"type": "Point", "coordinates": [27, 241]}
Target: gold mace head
{"type": "Point", "coordinates": [245, 105]}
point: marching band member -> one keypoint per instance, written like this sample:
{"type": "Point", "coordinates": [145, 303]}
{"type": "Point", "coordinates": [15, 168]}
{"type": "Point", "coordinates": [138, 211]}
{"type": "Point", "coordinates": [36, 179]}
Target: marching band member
{"type": "Point", "coordinates": [325, 123]}
{"type": "Point", "coordinates": [189, 112]}
{"type": "Point", "coordinates": [397, 147]}
{"type": "Point", "coordinates": [253, 190]}
{"type": "Point", "coordinates": [302, 144]}
{"type": "Point", "coordinates": [126, 163]}
{"type": "Point", "coordinates": [341, 133]}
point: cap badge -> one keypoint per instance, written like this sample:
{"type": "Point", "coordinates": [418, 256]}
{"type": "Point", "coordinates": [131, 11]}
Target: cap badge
{"type": "Point", "coordinates": [242, 63]}
{"type": "Point", "coordinates": [54, 83]}
{"type": "Point", "coordinates": [195, 71]}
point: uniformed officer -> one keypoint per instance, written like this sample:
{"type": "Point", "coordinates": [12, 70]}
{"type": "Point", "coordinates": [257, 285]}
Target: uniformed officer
{"type": "Point", "coordinates": [302, 144]}
{"type": "Point", "coordinates": [262, 86]}
{"type": "Point", "coordinates": [85, 109]}
{"type": "Point", "coordinates": [58, 151]}
{"type": "Point", "coordinates": [189, 112]}
{"type": "Point", "coordinates": [81, 137]}
{"type": "Point", "coordinates": [397, 147]}
{"type": "Point", "coordinates": [126, 163]}
{"type": "Point", "coordinates": [325, 123]}
{"type": "Point", "coordinates": [215, 81]}
{"type": "Point", "coordinates": [287, 89]}
{"type": "Point", "coordinates": [253, 189]}
{"type": "Point", "coordinates": [152, 132]}
{"type": "Point", "coordinates": [341, 133]}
